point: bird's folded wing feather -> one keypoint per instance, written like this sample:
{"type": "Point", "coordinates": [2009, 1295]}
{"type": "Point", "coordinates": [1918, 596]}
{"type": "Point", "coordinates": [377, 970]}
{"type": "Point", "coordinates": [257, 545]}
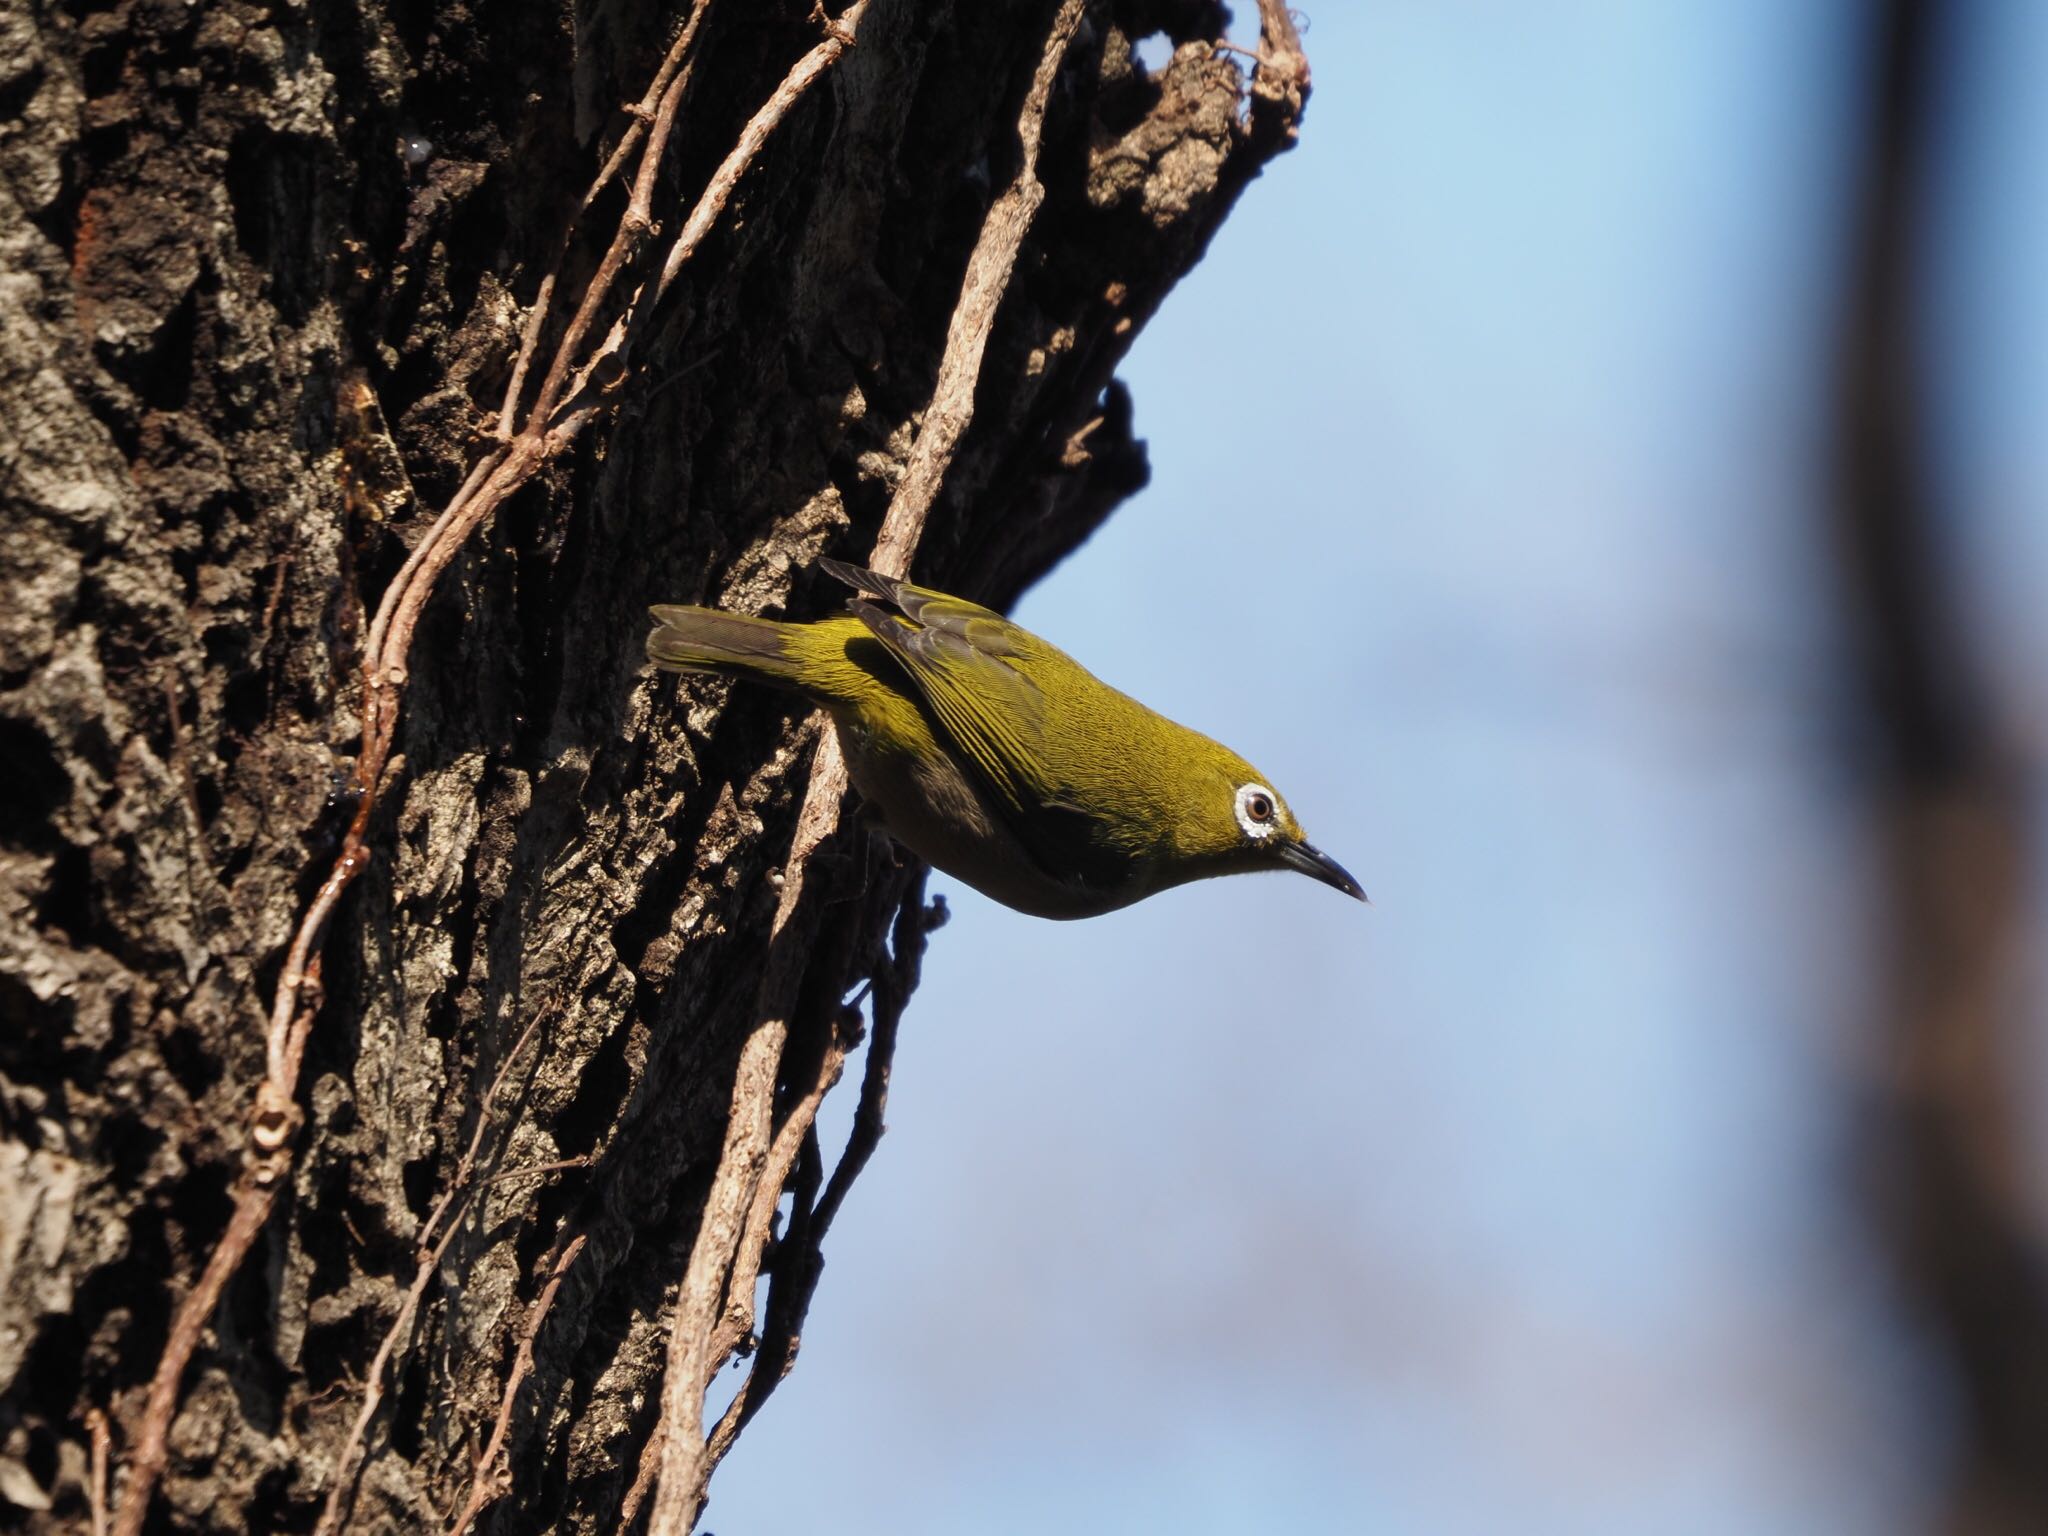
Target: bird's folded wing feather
{"type": "Point", "coordinates": [960, 656]}
{"type": "Point", "coordinates": [960, 663]}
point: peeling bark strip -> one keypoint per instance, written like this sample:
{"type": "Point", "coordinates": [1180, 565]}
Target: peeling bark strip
{"type": "Point", "coordinates": [370, 1075]}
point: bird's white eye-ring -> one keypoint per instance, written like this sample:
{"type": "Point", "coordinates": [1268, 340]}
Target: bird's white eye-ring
{"type": "Point", "coordinates": [1258, 810]}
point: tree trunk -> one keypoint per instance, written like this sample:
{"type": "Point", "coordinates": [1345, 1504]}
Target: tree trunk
{"type": "Point", "coordinates": [379, 990]}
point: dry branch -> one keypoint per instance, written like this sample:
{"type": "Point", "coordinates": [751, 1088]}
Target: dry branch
{"type": "Point", "coordinates": [1948, 821]}
{"type": "Point", "coordinates": [751, 1170]}
{"type": "Point", "coordinates": [638, 224]}
{"type": "Point", "coordinates": [799, 1256]}
{"type": "Point", "coordinates": [101, 1437]}
{"type": "Point", "coordinates": [493, 1475]}
{"type": "Point", "coordinates": [434, 1238]}
{"type": "Point", "coordinates": [678, 1443]}
{"type": "Point", "coordinates": [951, 410]}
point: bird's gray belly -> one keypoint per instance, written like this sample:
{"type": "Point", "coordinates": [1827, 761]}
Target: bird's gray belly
{"type": "Point", "coordinates": [938, 813]}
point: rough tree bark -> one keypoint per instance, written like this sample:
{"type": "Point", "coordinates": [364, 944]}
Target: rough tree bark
{"type": "Point", "coordinates": [387, 1231]}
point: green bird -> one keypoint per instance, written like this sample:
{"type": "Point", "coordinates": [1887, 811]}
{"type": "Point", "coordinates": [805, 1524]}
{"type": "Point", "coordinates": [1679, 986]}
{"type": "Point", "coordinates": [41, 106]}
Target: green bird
{"type": "Point", "coordinates": [1000, 759]}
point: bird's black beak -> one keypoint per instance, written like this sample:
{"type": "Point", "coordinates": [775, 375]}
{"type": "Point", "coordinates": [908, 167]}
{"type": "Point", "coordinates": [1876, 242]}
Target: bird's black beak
{"type": "Point", "coordinates": [1318, 865]}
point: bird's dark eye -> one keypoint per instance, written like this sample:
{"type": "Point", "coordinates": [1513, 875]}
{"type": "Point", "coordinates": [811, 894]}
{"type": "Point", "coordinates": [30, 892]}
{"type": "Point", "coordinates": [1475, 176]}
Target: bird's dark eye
{"type": "Point", "coordinates": [1258, 807]}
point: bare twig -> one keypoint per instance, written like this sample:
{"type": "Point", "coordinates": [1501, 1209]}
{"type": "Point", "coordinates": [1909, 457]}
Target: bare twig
{"type": "Point", "coordinates": [441, 1219]}
{"type": "Point", "coordinates": [775, 1354]}
{"type": "Point", "coordinates": [1946, 809]}
{"type": "Point", "coordinates": [255, 1192]}
{"type": "Point", "coordinates": [698, 1344]}
{"type": "Point", "coordinates": [647, 111]}
{"type": "Point", "coordinates": [635, 227]}
{"type": "Point", "coordinates": [679, 1431]}
{"type": "Point", "coordinates": [737, 1325]}
{"type": "Point", "coordinates": [839, 36]}
{"type": "Point", "coordinates": [643, 1478]}
{"type": "Point", "coordinates": [253, 1198]}
{"type": "Point", "coordinates": [529, 340]}
{"type": "Point", "coordinates": [100, 1437]}
{"type": "Point", "coordinates": [644, 111]}
{"type": "Point", "coordinates": [650, 1459]}
{"type": "Point", "coordinates": [981, 293]}
{"type": "Point", "coordinates": [380, 621]}
{"type": "Point", "coordinates": [538, 1170]}
{"type": "Point", "coordinates": [1280, 79]}
{"type": "Point", "coordinates": [799, 1258]}
{"type": "Point", "coordinates": [892, 992]}
{"type": "Point", "coordinates": [492, 1476]}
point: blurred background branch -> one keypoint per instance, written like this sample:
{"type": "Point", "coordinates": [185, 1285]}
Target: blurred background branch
{"type": "Point", "coordinates": [1947, 811]}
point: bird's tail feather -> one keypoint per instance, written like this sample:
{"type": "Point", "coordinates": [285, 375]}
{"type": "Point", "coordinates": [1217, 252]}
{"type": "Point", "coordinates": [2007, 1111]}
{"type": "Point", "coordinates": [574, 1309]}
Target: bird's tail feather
{"type": "Point", "coordinates": [705, 640]}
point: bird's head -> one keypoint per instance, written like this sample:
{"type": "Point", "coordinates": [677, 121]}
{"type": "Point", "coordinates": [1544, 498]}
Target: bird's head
{"type": "Point", "coordinates": [1232, 821]}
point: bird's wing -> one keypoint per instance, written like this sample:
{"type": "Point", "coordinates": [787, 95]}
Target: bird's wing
{"type": "Point", "coordinates": [962, 657]}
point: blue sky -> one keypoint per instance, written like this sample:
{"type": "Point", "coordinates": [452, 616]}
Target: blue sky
{"type": "Point", "coordinates": [1520, 1200]}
